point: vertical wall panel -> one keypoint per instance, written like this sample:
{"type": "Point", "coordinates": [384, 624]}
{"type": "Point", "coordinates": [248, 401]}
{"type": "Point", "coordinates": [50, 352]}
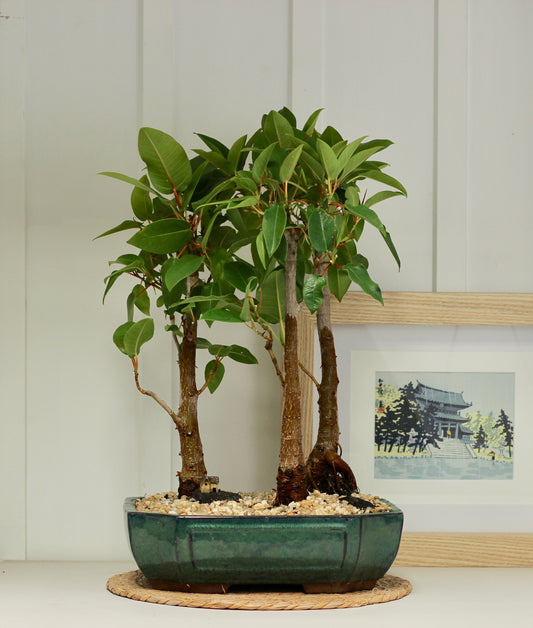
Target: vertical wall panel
{"type": "Point", "coordinates": [500, 220]}
{"type": "Point", "coordinates": [12, 282]}
{"type": "Point", "coordinates": [82, 118]}
{"type": "Point", "coordinates": [451, 185]}
{"type": "Point", "coordinates": [380, 82]}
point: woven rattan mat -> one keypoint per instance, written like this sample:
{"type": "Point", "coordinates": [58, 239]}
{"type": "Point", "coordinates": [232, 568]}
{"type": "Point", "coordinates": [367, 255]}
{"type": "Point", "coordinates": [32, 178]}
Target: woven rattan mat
{"type": "Point", "coordinates": [134, 586]}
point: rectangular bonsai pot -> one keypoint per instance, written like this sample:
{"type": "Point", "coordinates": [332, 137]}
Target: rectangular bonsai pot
{"type": "Point", "coordinates": [320, 552]}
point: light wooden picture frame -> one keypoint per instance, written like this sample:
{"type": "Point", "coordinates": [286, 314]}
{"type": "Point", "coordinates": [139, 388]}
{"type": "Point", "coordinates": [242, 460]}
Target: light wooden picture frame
{"type": "Point", "coordinates": [419, 308]}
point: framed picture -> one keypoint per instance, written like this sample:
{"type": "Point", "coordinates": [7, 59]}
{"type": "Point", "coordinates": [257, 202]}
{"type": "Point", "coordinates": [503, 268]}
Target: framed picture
{"type": "Point", "coordinates": [434, 401]}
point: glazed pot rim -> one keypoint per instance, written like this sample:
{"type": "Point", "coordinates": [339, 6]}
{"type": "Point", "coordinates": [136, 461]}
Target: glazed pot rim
{"type": "Point", "coordinates": [129, 507]}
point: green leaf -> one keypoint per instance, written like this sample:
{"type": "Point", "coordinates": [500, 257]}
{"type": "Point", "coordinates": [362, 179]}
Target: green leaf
{"type": "Point", "coordinates": [137, 335]}
{"type": "Point", "coordinates": [312, 166]}
{"type": "Point", "coordinates": [168, 166]}
{"type": "Point", "coordinates": [321, 230]}
{"type": "Point", "coordinates": [349, 150]}
{"type": "Point", "coordinates": [141, 300]}
{"type": "Point", "coordinates": [235, 153]}
{"type": "Point", "coordinates": [331, 136]}
{"type": "Point", "coordinates": [381, 196]}
{"type": "Point", "coordinates": [176, 269]}
{"type": "Point", "coordinates": [260, 164]}
{"type": "Point", "coordinates": [242, 355]}
{"type": "Point", "coordinates": [224, 316]}
{"type": "Point", "coordinates": [274, 223]}
{"type": "Point", "coordinates": [272, 298]}
{"type": "Point", "coordinates": [370, 216]}
{"type": "Point", "coordinates": [126, 224]}
{"type": "Point", "coordinates": [359, 275]}
{"type": "Point", "coordinates": [136, 182]}
{"type": "Point", "coordinates": [377, 175]}
{"type": "Point", "coordinates": [356, 160]}
{"type": "Point", "coordinates": [310, 123]}
{"type": "Point", "coordinates": [214, 144]}
{"type": "Point", "coordinates": [289, 163]}
{"type": "Point", "coordinates": [278, 129]}
{"type": "Point", "coordinates": [141, 203]}
{"type": "Point", "coordinates": [239, 274]}
{"type": "Point", "coordinates": [118, 336]}
{"type": "Point", "coordinates": [261, 251]}
{"type": "Point", "coordinates": [338, 281]}
{"type": "Point", "coordinates": [329, 160]}
{"type": "Point", "coordinates": [313, 294]}
{"type": "Point", "coordinates": [163, 236]}
{"type": "Point", "coordinates": [215, 370]}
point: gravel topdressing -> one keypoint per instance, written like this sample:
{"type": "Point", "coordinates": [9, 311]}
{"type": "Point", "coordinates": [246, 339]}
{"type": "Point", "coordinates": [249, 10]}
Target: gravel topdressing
{"type": "Point", "coordinates": [257, 504]}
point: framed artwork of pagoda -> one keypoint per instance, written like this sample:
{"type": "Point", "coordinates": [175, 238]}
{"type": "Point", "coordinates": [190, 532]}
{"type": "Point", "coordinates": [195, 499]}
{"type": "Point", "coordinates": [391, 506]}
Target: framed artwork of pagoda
{"type": "Point", "coordinates": [435, 404]}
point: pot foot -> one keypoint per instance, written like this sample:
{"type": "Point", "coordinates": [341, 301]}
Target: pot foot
{"type": "Point", "coordinates": [338, 587]}
{"type": "Point", "coordinates": [184, 587]}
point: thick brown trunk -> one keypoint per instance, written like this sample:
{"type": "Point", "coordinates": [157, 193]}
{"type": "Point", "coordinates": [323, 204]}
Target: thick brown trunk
{"type": "Point", "coordinates": [326, 469]}
{"type": "Point", "coordinates": [291, 478]}
{"type": "Point", "coordinates": [192, 456]}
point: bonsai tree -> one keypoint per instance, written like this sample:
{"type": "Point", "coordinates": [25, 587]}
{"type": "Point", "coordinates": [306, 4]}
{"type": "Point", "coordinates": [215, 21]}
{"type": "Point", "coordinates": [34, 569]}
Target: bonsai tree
{"type": "Point", "coordinates": [305, 188]}
{"type": "Point", "coordinates": [179, 265]}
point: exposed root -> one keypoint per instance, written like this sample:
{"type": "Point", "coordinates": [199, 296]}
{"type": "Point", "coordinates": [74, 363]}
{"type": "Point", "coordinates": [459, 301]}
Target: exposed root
{"type": "Point", "coordinates": [291, 485]}
{"type": "Point", "coordinates": [329, 473]}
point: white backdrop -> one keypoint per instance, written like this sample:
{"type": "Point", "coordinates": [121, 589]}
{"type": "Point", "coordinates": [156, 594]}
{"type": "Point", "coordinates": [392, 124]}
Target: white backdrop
{"type": "Point", "coordinates": [450, 82]}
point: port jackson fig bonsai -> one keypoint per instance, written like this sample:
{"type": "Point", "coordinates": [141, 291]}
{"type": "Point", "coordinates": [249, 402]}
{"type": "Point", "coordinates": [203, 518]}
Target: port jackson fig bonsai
{"type": "Point", "coordinates": [249, 235]}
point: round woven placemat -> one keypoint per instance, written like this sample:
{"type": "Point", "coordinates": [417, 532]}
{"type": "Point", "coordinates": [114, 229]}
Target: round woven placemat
{"type": "Point", "coordinates": [134, 586]}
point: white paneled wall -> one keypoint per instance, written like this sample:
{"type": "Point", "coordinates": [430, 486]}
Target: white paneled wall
{"type": "Point", "coordinates": [448, 81]}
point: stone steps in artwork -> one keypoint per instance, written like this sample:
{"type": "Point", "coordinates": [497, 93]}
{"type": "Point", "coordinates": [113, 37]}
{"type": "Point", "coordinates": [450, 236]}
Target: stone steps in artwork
{"type": "Point", "coordinates": [451, 448]}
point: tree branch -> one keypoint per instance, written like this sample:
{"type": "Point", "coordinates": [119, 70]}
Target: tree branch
{"type": "Point", "coordinates": [152, 394]}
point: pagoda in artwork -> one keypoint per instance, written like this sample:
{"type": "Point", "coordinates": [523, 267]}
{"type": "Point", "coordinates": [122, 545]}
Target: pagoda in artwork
{"type": "Point", "coordinates": [446, 406]}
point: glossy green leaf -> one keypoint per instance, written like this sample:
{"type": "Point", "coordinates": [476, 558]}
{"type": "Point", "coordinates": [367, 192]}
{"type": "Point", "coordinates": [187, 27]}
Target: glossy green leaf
{"type": "Point", "coordinates": [242, 355]}
{"type": "Point", "coordinates": [313, 292]}
{"type": "Point", "coordinates": [338, 281]}
{"type": "Point", "coordinates": [137, 335]}
{"type": "Point", "coordinates": [278, 129]}
{"type": "Point", "coordinates": [359, 275]}
{"type": "Point", "coordinates": [214, 144]}
{"type": "Point", "coordinates": [289, 164]}
{"type": "Point", "coordinates": [141, 300]}
{"type": "Point", "coordinates": [223, 316]}
{"type": "Point", "coordinates": [370, 216]}
{"type": "Point", "coordinates": [356, 160]}
{"type": "Point", "coordinates": [321, 228]}
{"type": "Point", "coordinates": [310, 123]}
{"type": "Point", "coordinates": [272, 298]}
{"type": "Point", "coordinates": [141, 203]}
{"type": "Point", "coordinates": [125, 225]}
{"type": "Point", "coordinates": [312, 166]}
{"type": "Point", "coordinates": [235, 153]}
{"type": "Point", "coordinates": [118, 336]}
{"type": "Point", "coordinates": [328, 159]}
{"type": "Point", "coordinates": [214, 372]}
{"type": "Point", "coordinates": [381, 196]}
{"type": "Point", "coordinates": [331, 136]}
{"type": "Point", "coordinates": [260, 164]}
{"type": "Point", "coordinates": [259, 248]}
{"type": "Point", "coordinates": [163, 236]}
{"type": "Point", "coordinates": [377, 175]}
{"type": "Point", "coordinates": [176, 269]}
{"type": "Point", "coordinates": [167, 163]}
{"type": "Point", "coordinates": [274, 223]}
{"type": "Point", "coordinates": [135, 182]}
{"type": "Point", "coordinates": [239, 274]}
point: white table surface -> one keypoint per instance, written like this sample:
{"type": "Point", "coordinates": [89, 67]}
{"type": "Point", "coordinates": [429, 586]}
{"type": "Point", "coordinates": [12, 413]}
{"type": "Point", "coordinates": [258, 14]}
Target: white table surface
{"type": "Point", "coordinates": [57, 594]}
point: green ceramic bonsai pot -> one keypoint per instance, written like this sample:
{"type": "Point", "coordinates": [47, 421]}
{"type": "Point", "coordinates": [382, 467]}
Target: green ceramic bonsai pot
{"type": "Point", "coordinates": [332, 553]}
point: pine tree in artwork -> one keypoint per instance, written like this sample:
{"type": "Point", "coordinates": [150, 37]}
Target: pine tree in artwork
{"type": "Point", "coordinates": [480, 439]}
{"type": "Point", "coordinates": [506, 427]}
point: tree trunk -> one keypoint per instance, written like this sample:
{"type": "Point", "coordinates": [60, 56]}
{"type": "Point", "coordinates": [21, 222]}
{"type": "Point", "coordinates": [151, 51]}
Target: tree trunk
{"type": "Point", "coordinates": [192, 457]}
{"type": "Point", "coordinates": [327, 471]}
{"type": "Point", "coordinates": [291, 478]}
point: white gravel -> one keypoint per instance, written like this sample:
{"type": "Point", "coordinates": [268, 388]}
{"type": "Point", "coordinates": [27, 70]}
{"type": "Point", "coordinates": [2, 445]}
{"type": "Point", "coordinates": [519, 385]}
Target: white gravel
{"type": "Point", "coordinates": [257, 504]}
